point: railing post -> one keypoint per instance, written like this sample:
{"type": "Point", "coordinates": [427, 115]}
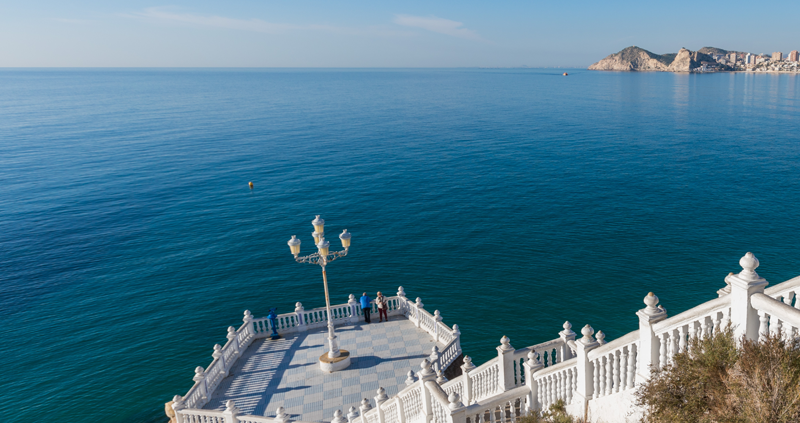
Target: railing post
{"type": "Point", "coordinates": [248, 321]}
{"type": "Point", "coordinates": [585, 381]}
{"type": "Point", "coordinates": [352, 414]}
{"type": "Point", "coordinates": [648, 341]}
{"type": "Point", "coordinates": [231, 413]}
{"type": "Point", "coordinates": [233, 339]}
{"type": "Point", "coordinates": [505, 357]}
{"type": "Point", "coordinates": [280, 415]}
{"type": "Point", "coordinates": [426, 375]}
{"type": "Point", "coordinates": [532, 365]}
{"type": "Point", "coordinates": [465, 369]}
{"type": "Point", "coordinates": [217, 355]}
{"type": "Point", "coordinates": [338, 417]}
{"type": "Point", "coordinates": [434, 357]}
{"type": "Point", "coordinates": [418, 306]}
{"type": "Point", "coordinates": [566, 335]}
{"type": "Point", "coordinates": [365, 406]}
{"type": "Point", "coordinates": [299, 311]}
{"type": "Point", "coordinates": [353, 308]}
{"type": "Point", "coordinates": [403, 301]}
{"type": "Point", "coordinates": [437, 317]}
{"type": "Point", "coordinates": [199, 376]}
{"type": "Point", "coordinates": [177, 405]}
{"type": "Point", "coordinates": [457, 335]}
{"type": "Point", "coordinates": [457, 409]}
{"type": "Point", "coordinates": [379, 400]}
{"type": "Point", "coordinates": [744, 318]}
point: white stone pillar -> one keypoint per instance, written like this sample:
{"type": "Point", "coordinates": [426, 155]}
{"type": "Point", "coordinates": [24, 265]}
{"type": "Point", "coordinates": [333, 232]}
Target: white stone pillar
{"type": "Point", "coordinates": [418, 306]}
{"type": "Point", "coordinates": [566, 335]}
{"type": "Point", "coordinates": [744, 318]}
{"type": "Point", "coordinates": [379, 400]}
{"type": "Point", "coordinates": [465, 369]}
{"type": "Point", "coordinates": [248, 322]}
{"type": "Point", "coordinates": [299, 311]}
{"type": "Point", "coordinates": [426, 374]}
{"type": "Point", "coordinates": [437, 317]}
{"type": "Point", "coordinates": [200, 377]}
{"type": "Point", "coordinates": [648, 341]}
{"type": "Point", "coordinates": [352, 415]}
{"type": "Point", "coordinates": [231, 413]}
{"type": "Point", "coordinates": [532, 365]}
{"type": "Point", "coordinates": [233, 338]}
{"type": "Point", "coordinates": [457, 335]}
{"type": "Point", "coordinates": [505, 357]}
{"type": "Point", "coordinates": [585, 383]}
{"type": "Point", "coordinates": [434, 357]}
{"type": "Point", "coordinates": [177, 405]}
{"type": "Point", "coordinates": [354, 306]}
{"type": "Point", "coordinates": [217, 355]}
{"type": "Point", "coordinates": [457, 409]}
{"type": "Point", "coordinates": [365, 406]}
{"type": "Point", "coordinates": [402, 303]}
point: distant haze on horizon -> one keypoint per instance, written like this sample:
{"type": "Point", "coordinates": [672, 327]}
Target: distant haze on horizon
{"type": "Point", "coordinates": [314, 33]}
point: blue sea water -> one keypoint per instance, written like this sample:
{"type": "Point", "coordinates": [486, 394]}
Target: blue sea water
{"type": "Point", "coordinates": [510, 200]}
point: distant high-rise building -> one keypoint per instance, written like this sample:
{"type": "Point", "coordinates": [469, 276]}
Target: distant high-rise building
{"type": "Point", "coordinates": [749, 59]}
{"type": "Point", "coordinates": [777, 56]}
{"type": "Point", "coordinates": [732, 57]}
{"type": "Point", "coordinates": [794, 56]}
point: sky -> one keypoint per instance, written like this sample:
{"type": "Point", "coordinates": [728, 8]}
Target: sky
{"type": "Point", "coordinates": [409, 33]}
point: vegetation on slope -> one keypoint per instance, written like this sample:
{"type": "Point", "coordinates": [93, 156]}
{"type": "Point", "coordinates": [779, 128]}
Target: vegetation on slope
{"type": "Point", "coordinates": [717, 382]}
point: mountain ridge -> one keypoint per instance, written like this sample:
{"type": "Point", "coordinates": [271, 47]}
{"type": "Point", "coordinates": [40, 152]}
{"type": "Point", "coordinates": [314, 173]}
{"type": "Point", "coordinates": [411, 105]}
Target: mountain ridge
{"type": "Point", "coordinates": [635, 58]}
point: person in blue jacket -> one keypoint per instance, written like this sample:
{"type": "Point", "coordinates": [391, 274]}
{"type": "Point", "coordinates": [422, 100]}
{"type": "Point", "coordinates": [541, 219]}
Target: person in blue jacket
{"type": "Point", "coordinates": [366, 307]}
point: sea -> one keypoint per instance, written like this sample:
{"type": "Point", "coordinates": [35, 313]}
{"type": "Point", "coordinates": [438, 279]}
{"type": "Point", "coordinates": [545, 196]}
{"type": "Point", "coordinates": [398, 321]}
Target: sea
{"type": "Point", "coordinates": [511, 200]}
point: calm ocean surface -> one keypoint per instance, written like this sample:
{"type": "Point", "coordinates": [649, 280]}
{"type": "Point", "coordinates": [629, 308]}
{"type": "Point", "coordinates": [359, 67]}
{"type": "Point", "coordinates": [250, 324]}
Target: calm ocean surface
{"type": "Point", "coordinates": [510, 200]}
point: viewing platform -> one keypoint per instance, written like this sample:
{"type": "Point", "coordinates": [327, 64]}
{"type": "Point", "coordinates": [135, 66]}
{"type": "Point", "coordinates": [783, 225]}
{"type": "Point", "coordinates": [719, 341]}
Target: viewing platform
{"type": "Point", "coordinates": [285, 373]}
{"type": "Point", "coordinates": [397, 369]}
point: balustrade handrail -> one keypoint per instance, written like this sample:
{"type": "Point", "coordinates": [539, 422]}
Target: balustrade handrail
{"type": "Point", "coordinates": [692, 314]}
{"type": "Point", "coordinates": [776, 308]}
{"type": "Point", "coordinates": [501, 397]}
{"type": "Point", "coordinates": [783, 286]}
{"type": "Point", "coordinates": [438, 394]}
{"type": "Point", "coordinates": [484, 366]}
{"type": "Point", "coordinates": [620, 342]}
{"type": "Point", "coordinates": [553, 343]}
{"type": "Point", "coordinates": [555, 368]}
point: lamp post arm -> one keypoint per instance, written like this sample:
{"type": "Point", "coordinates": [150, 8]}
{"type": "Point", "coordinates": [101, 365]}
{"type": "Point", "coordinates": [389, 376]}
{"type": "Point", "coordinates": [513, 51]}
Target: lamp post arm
{"type": "Point", "coordinates": [317, 259]}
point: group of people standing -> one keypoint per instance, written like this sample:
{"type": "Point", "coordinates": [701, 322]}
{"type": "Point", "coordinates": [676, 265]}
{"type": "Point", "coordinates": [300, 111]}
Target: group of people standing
{"type": "Point", "coordinates": [380, 301]}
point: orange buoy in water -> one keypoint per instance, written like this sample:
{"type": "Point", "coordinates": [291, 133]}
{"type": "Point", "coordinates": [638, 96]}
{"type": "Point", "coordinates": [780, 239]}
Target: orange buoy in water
{"type": "Point", "coordinates": [565, 74]}
{"type": "Point", "coordinates": [251, 185]}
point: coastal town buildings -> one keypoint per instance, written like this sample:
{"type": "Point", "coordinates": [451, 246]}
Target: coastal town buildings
{"type": "Point", "coordinates": [794, 56]}
{"type": "Point", "coordinates": [777, 56]}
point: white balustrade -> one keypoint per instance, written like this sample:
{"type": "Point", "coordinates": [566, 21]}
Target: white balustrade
{"type": "Point", "coordinates": [485, 380]}
{"type": "Point", "coordinates": [557, 382]}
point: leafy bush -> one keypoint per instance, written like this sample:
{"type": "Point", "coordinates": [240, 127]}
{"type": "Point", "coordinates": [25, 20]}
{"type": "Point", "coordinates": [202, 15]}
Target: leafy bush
{"type": "Point", "coordinates": [556, 414]}
{"type": "Point", "coordinates": [714, 381]}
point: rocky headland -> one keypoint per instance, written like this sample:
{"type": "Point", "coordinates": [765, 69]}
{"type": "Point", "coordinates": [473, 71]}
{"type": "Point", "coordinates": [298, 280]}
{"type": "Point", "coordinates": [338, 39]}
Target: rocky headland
{"type": "Point", "coordinates": [638, 59]}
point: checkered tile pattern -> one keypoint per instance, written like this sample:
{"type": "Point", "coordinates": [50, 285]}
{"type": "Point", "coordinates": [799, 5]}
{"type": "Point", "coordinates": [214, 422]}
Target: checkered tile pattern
{"type": "Point", "coordinates": [285, 372]}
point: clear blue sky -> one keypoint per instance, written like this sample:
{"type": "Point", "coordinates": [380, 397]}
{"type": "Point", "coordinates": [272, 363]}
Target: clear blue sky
{"type": "Point", "coordinates": [409, 33]}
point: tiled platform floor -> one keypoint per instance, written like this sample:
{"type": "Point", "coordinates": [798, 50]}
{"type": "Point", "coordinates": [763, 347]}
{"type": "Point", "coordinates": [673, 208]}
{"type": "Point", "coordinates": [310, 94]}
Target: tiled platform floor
{"type": "Point", "coordinates": [286, 372]}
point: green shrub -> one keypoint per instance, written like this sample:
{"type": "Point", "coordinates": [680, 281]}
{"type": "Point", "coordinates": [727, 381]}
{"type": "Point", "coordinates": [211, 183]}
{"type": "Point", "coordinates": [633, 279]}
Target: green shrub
{"type": "Point", "coordinates": [717, 382]}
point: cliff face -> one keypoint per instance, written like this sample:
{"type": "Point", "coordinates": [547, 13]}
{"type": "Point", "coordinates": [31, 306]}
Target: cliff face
{"type": "Point", "coordinates": [638, 59]}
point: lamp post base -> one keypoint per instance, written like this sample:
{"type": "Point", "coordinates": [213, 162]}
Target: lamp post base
{"type": "Point", "coordinates": [330, 365]}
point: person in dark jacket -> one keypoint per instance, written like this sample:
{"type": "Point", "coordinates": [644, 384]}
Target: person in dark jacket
{"type": "Point", "coordinates": [366, 307]}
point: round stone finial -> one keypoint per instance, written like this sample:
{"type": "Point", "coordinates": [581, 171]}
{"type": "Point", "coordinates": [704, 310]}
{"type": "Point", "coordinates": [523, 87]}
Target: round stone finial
{"type": "Point", "coordinates": [567, 325]}
{"type": "Point", "coordinates": [456, 330]}
{"type": "Point", "coordinates": [601, 337]}
{"type": "Point", "coordinates": [505, 343]}
{"type": "Point", "coordinates": [352, 411]}
{"type": "Point", "coordinates": [425, 365]}
{"type": "Point", "coordinates": [455, 401]}
{"type": "Point", "coordinates": [437, 316]}
{"type": "Point", "coordinates": [198, 371]}
{"type": "Point", "coordinates": [280, 414]}
{"type": "Point", "coordinates": [298, 306]}
{"type": "Point", "coordinates": [217, 351]}
{"type": "Point", "coordinates": [365, 405]}
{"type": "Point", "coordinates": [381, 395]}
{"type": "Point", "coordinates": [419, 302]}
{"type": "Point", "coordinates": [587, 333]}
{"type": "Point", "coordinates": [749, 262]}
{"type": "Point", "coordinates": [440, 379]}
{"type": "Point", "coordinates": [337, 417]}
{"type": "Point", "coordinates": [231, 333]}
{"type": "Point", "coordinates": [650, 301]}
{"type": "Point", "coordinates": [247, 316]}
{"type": "Point", "coordinates": [230, 406]}
{"type": "Point", "coordinates": [401, 292]}
{"type": "Point", "coordinates": [410, 378]}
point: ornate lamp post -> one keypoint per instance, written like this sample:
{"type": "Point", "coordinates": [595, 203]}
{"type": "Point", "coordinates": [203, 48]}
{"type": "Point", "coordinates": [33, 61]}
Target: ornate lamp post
{"type": "Point", "coordinates": [335, 359]}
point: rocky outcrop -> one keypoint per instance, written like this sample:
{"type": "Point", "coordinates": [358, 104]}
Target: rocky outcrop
{"type": "Point", "coordinates": [632, 59]}
{"type": "Point", "coordinates": [638, 59]}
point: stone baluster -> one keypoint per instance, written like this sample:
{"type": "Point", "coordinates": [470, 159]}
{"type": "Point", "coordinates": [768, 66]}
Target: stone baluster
{"type": "Point", "coordinates": [434, 358]}
{"type": "Point", "coordinates": [352, 415]}
{"type": "Point", "coordinates": [631, 365]}
{"type": "Point", "coordinates": [379, 400]}
{"type": "Point", "coordinates": [763, 330]}
{"type": "Point", "coordinates": [437, 317]}
{"type": "Point", "coordinates": [531, 366]}
{"type": "Point", "coordinates": [787, 299]}
{"type": "Point", "coordinates": [280, 414]}
{"type": "Point", "coordinates": [691, 333]}
{"type": "Point", "coordinates": [623, 369]}
{"type": "Point", "coordinates": [467, 367]}
{"type": "Point", "coordinates": [505, 358]}
{"type": "Point", "coordinates": [566, 335]}
{"type": "Point", "coordinates": [365, 406]}
{"type": "Point", "coordinates": [672, 346]}
{"type": "Point", "coordinates": [596, 379]}
{"type": "Point", "coordinates": [584, 373]}
{"type": "Point", "coordinates": [217, 355]}
{"type": "Point", "coordinates": [457, 336]}
{"type": "Point", "coordinates": [662, 351]}
{"type": "Point", "coordinates": [299, 312]}
{"type": "Point", "coordinates": [418, 306]}
{"type": "Point", "coordinates": [717, 323]}
{"type": "Point", "coordinates": [559, 386]}
{"type": "Point", "coordinates": [682, 339]}
{"type": "Point", "coordinates": [248, 323]}
{"type": "Point", "coordinates": [609, 374]}
{"type": "Point", "coordinates": [570, 383]}
{"type": "Point", "coordinates": [726, 318]}
{"type": "Point", "coordinates": [648, 341]}
{"type": "Point", "coordinates": [231, 413]}
{"type": "Point", "coordinates": [602, 377]}
{"type": "Point", "coordinates": [744, 318]}
{"type": "Point", "coordinates": [200, 378]}
{"type": "Point", "coordinates": [338, 417]}
{"type": "Point", "coordinates": [233, 339]}
{"type": "Point", "coordinates": [615, 358]}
